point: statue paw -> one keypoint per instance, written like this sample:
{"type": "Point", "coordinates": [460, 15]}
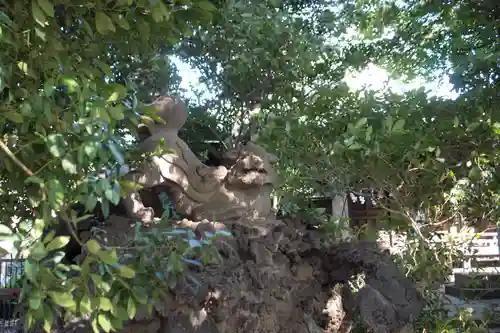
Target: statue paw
{"type": "Point", "coordinates": [214, 173]}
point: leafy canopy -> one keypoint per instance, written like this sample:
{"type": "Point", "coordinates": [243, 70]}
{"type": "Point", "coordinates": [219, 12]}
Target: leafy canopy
{"type": "Point", "coordinates": [71, 74]}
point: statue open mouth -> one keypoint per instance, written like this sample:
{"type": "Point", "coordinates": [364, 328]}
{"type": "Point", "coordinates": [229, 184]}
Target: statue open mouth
{"type": "Point", "coordinates": [257, 170]}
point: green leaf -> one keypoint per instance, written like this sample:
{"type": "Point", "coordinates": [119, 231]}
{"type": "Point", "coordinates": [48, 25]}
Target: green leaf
{"type": "Point", "coordinates": [35, 301]}
{"type": "Point", "coordinates": [55, 193]}
{"type": "Point", "coordinates": [121, 21]}
{"type": "Point", "coordinates": [38, 252]}
{"type": "Point", "coordinates": [69, 166]}
{"type": "Point", "coordinates": [117, 112]}
{"type": "Point", "coordinates": [103, 23]}
{"type": "Point", "coordinates": [95, 328]}
{"type": "Point", "coordinates": [3, 252]}
{"type": "Point", "coordinates": [119, 92]}
{"type": "Point", "coordinates": [5, 230]}
{"type": "Point", "coordinates": [56, 144]}
{"type": "Point", "coordinates": [93, 246]}
{"type": "Point", "coordinates": [121, 313]}
{"type": "Point", "coordinates": [128, 185]}
{"type": "Point", "coordinates": [47, 7]}
{"type": "Point", "coordinates": [91, 202]}
{"type": "Point", "coordinates": [126, 272]}
{"type": "Point", "coordinates": [85, 307]}
{"type": "Point", "coordinates": [91, 148]}
{"type": "Point", "coordinates": [112, 195]}
{"type": "Point", "coordinates": [26, 110]}
{"type": "Point", "coordinates": [102, 114]}
{"type": "Point", "coordinates": [206, 6]}
{"type": "Point", "coordinates": [361, 122]}
{"type": "Point", "coordinates": [30, 270]}
{"type": "Point", "coordinates": [14, 117]}
{"type": "Point", "coordinates": [23, 66]}
{"type": "Point", "coordinates": [398, 126]}
{"type": "Point", "coordinates": [105, 304]}
{"type": "Point", "coordinates": [104, 322]}
{"type": "Point", "coordinates": [72, 84]}
{"type": "Point", "coordinates": [58, 242]}
{"type": "Point", "coordinates": [64, 300]}
{"type": "Point", "coordinates": [34, 180]}
{"type": "Point", "coordinates": [38, 13]}
{"type": "Point", "coordinates": [49, 87]}
{"type": "Point", "coordinates": [108, 257]}
{"type": "Point", "coordinates": [48, 319]}
{"type": "Point", "coordinates": [131, 308]}
{"type": "Point", "coordinates": [140, 295]}
{"type": "Point", "coordinates": [105, 207]}
{"type": "Point", "coordinates": [49, 237]}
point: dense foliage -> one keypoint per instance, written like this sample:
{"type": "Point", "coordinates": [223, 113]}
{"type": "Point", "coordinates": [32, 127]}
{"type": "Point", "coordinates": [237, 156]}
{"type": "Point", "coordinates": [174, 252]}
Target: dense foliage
{"type": "Point", "coordinates": [75, 77]}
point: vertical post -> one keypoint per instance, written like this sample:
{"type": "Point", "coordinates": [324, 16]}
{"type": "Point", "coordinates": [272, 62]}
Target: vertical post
{"type": "Point", "coordinates": [498, 240]}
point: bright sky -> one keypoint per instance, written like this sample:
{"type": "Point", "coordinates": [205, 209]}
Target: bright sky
{"type": "Point", "coordinates": [373, 77]}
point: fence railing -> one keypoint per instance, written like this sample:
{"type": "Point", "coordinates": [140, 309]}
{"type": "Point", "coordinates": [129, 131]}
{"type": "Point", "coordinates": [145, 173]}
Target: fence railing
{"type": "Point", "coordinates": [11, 271]}
{"type": "Point", "coordinates": [480, 249]}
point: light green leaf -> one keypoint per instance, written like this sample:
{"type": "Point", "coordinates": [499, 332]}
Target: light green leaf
{"type": "Point", "coordinates": [131, 308]}
{"type": "Point", "coordinates": [91, 148]}
{"type": "Point", "coordinates": [58, 242]}
{"type": "Point", "coordinates": [64, 300]}
{"type": "Point", "coordinates": [93, 246]}
{"type": "Point", "coordinates": [85, 307]}
{"type": "Point", "coordinates": [95, 328]}
{"type": "Point", "coordinates": [104, 322]}
{"type": "Point", "coordinates": [5, 230]}
{"type": "Point", "coordinates": [108, 257]}
{"type": "Point", "coordinates": [118, 93]}
{"type": "Point", "coordinates": [126, 272]}
{"type": "Point", "coordinates": [38, 252]}
{"type": "Point", "coordinates": [105, 304]}
{"type": "Point", "coordinates": [49, 237]}
{"type": "Point", "coordinates": [69, 166]}
{"type": "Point", "coordinates": [23, 66]}
{"type": "Point", "coordinates": [72, 84]}
{"type": "Point", "coordinates": [56, 144]}
{"type": "Point", "coordinates": [48, 319]}
{"type": "Point", "coordinates": [3, 252]}
{"type": "Point", "coordinates": [35, 301]}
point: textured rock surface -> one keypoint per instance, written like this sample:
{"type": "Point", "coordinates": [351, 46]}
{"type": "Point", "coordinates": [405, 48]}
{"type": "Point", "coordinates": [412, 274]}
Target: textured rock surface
{"type": "Point", "coordinates": [284, 279]}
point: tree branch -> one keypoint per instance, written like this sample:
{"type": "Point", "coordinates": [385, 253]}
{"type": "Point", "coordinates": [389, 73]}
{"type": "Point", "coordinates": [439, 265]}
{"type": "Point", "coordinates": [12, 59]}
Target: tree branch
{"type": "Point", "coordinates": [15, 159]}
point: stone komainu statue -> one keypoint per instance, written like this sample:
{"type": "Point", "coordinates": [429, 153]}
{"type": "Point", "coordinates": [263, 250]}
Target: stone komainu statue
{"type": "Point", "coordinates": [242, 188]}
